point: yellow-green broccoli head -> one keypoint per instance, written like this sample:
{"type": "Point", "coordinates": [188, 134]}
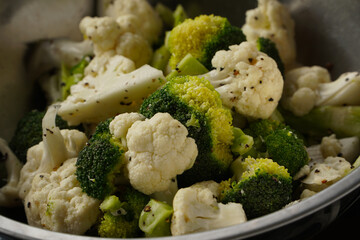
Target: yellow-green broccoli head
{"type": "Point", "coordinates": [202, 36]}
{"type": "Point", "coordinates": [194, 102]}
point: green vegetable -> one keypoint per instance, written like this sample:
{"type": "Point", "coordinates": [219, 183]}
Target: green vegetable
{"type": "Point", "coordinates": [29, 132]}
{"type": "Point", "coordinates": [279, 142]}
{"type": "Point", "coordinates": [265, 45]}
{"type": "Point", "coordinates": [344, 121]}
{"type": "Point", "coordinates": [264, 187]}
{"type": "Point", "coordinates": [122, 213]}
{"type": "Point", "coordinates": [202, 37]}
{"type": "Point", "coordinates": [179, 15]}
{"type": "Point", "coordinates": [166, 15]}
{"type": "Point", "coordinates": [188, 66]}
{"type": "Point", "coordinates": [99, 162]}
{"type": "Point", "coordinates": [160, 58]}
{"type": "Point", "coordinates": [72, 76]}
{"type": "Point", "coordinates": [155, 219]}
{"type": "Point", "coordinates": [242, 142]}
{"type": "Point", "coordinates": [194, 102]}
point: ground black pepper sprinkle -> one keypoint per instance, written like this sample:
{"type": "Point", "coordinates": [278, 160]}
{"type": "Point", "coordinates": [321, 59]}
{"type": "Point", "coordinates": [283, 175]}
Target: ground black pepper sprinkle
{"type": "Point", "coordinates": [49, 131]}
{"type": "Point", "coordinates": [147, 208]}
{"type": "Point", "coordinates": [271, 99]}
{"type": "Point", "coordinates": [317, 170]}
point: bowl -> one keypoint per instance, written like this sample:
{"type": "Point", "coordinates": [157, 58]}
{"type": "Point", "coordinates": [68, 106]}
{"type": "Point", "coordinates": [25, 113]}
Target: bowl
{"type": "Point", "coordinates": [326, 34]}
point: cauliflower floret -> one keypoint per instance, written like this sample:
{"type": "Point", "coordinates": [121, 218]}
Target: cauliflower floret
{"type": "Point", "coordinates": [9, 192]}
{"type": "Point", "coordinates": [56, 202]}
{"type": "Point", "coordinates": [108, 37]}
{"type": "Point", "coordinates": [348, 148]}
{"type": "Point", "coordinates": [99, 65]}
{"type": "Point", "coordinates": [272, 20]}
{"type": "Point", "coordinates": [74, 141]}
{"type": "Point", "coordinates": [137, 15]}
{"type": "Point", "coordinates": [108, 93]}
{"type": "Point", "coordinates": [134, 47]}
{"type": "Point", "coordinates": [121, 123]}
{"type": "Point", "coordinates": [102, 31]}
{"type": "Point", "coordinates": [330, 146]}
{"type": "Point", "coordinates": [196, 209]}
{"type": "Point", "coordinates": [247, 80]}
{"type": "Point", "coordinates": [158, 151]}
{"type": "Point", "coordinates": [57, 146]}
{"type": "Point", "coordinates": [324, 174]}
{"type": "Point", "coordinates": [300, 88]}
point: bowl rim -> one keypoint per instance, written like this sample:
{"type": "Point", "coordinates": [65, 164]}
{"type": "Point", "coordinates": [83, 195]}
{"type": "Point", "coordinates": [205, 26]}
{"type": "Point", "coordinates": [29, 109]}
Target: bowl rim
{"type": "Point", "coordinates": [247, 229]}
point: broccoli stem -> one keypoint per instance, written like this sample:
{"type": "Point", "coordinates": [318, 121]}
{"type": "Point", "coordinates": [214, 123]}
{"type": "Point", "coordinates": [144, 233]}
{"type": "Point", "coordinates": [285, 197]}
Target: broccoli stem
{"type": "Point", "coordinates": [179, 15]}
{"type": "Point", "coordinates": [155, 219]}
{"type": "Point", "coordinates": [161, 58]}
{"type": "Point", "coordinates": [165, 14]}
{"type": "Point", "coordinates": [110, 203]}
{"type": "Point", "coordinates": [189, 65]}
{"type": "Point", "coordinates": [242, 143]}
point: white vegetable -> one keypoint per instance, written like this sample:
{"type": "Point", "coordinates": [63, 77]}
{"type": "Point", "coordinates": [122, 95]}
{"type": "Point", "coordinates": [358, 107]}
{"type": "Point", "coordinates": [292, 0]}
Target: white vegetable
{"type": "Point", "coordinates": [56, 202]}
{"type": "Point", "coordinates": [272, 20]}
{"type": "Point", "coordinates": [300, 88]}
{"type": "Point", "coordinates": [196, 209]}
{"type": "Point", "coordinates": [158, 151]}
{"type": "Point", "coordinates": [343, 91]}
{"type": "Point", "coordinates": [108, 37]}
{"type": "Point", "coordinates": [348, 148]}
{"type": "Point", "coordinates": [247, 80]}
{"type": "Point", "coordinates": [95, 99]}
{"type": "Point", "coordinates": [9, 192]}
{"type": "Point", "coordinates": [136, 16]}
{"type": "Point", "coordinates": [324, 174]}
{"type": "Point", "coordinates": [56, 147]}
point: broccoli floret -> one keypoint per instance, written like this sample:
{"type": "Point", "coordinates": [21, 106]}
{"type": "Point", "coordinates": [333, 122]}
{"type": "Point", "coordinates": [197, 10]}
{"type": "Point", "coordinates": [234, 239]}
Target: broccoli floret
{"type": "Point", "coordinates": [29, 132]}
{"type": "Point", "coordinates": [72, 76]}
{"type": "Point", "coordinates": [344, 121]}
{"type": "Point", "coordinates": [264, 187]}
{"type": "Point", "coordinates": [194, 102]}
{"type": "Point", "coordinates": [202, 37]}
{"type": "Point", "coordinates": [99, 162]}
{"type": "Point", "coordinates": [121, 214]}
{"type": "Point", "coordinates": [265, 45]}
{"type": "Point", "coordinates": [155, 219]}
{"type": "Point", "coordinates": [279, 142]}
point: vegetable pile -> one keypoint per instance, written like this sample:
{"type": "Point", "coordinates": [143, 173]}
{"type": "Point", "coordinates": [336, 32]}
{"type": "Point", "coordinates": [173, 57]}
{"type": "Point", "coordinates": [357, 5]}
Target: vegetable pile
{"type": "Point", "coordinates": [169, 125]}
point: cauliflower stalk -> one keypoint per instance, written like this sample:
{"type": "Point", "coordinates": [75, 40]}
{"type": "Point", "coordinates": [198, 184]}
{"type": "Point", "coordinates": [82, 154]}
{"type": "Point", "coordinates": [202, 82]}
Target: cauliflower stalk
{"type": "Point", "coordinates": [116, 88]}
{"type": "Point", "coordinates": [248, 80]}
{"type": "Point", "coordinates": [273, 21]}
{"type": "Point", "coordinates": [56, 202]}
{"type": "Point", "coordinates": [158, 151]}
{"type": "Point", "coordinates": [12, 165]}
{"type": "Point", "coordinates": [196, 209]}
